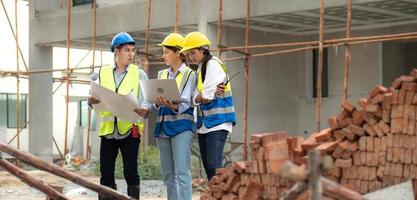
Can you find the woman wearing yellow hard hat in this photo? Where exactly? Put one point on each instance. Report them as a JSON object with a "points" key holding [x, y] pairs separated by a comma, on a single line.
{"points": [[174, 123], [213, 95]]}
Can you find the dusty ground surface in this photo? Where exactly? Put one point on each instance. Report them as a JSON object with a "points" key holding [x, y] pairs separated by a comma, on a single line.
{"points": [[13, 188]]}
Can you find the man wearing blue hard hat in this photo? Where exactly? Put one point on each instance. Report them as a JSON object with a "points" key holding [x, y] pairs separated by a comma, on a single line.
{"points": [[116, 134]]}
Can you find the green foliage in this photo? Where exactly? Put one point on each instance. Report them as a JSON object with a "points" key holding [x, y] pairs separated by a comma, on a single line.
{"points": [[149, 165]]}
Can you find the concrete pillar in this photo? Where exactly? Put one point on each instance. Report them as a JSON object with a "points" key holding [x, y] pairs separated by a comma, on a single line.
{"points": [[40, 94], [202, 21]]}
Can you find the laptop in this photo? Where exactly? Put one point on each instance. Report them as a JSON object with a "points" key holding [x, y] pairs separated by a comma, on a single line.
{"points": [[154, 88]]}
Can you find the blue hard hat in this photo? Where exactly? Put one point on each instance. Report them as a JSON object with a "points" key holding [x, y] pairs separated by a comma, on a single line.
{"points": [[121, 39]]}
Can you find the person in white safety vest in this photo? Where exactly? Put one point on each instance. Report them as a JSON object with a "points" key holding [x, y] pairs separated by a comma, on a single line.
{"points": [[213, 95]]}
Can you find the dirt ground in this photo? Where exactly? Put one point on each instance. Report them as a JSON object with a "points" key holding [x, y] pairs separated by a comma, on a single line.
{"points": [[13, 188]]}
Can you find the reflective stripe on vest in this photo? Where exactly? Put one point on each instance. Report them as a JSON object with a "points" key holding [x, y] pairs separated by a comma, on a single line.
{"points": [[130, 83], [167, 120], [221, 109]]}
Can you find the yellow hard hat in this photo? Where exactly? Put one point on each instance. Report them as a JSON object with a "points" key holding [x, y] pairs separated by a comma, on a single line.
{"points": [[173, 40], [195, 40]]}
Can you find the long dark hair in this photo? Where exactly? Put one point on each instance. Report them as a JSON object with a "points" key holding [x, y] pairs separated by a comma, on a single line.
{"points": [[207, 57]]}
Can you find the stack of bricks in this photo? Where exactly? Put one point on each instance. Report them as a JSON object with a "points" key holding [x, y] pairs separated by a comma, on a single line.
{"points": [[374, 145], [254, 179]]}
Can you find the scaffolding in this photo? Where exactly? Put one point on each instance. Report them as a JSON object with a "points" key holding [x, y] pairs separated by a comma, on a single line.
{"points": [[290, 47]]}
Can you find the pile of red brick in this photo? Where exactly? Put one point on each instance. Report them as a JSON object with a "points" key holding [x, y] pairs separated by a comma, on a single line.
{"points": [[254, 179], [374, 145]]}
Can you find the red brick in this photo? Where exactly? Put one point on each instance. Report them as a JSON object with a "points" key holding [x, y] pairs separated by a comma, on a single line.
{"points": [[274, 166], [378, 130], [345, 122], [242, 192], [402, 155], [396, 125], [372, 173], [349, 134], [338, 152], [271, 138], [390, 154], [346, 172], [332, 121], [326, 147], [358, 117], [408, 156], [343, 115], [377, 90], [409, 97], [415, 129], [309, 143], [396, 84], [377, 144], [362, 143], [364, 187], [394, 97], [401, 96], [240, 166], [372, 159], [386, 102], [386, 115], [406, 78], [324, 135], [357, 130], [363, 157], [409, 112], [382, 157], [380, 171], [411, 127], [406, 171], [404, 128], [414, 156], [399, 169], [372, 108], [228, 186], [356, 158], [397, 111], [362, 102], [384, 143], [396, 155], [409, 86], [384, 127], [348, 106], [278, 151], [389, 140], [371, 119], [377, 99], [369, 144], [414, 102], [368, 128], [244, 179], [343, 163], [339, 134]]}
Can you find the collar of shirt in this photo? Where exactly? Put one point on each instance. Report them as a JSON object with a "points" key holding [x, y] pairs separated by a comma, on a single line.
{"points": [[115, 69], [180, 70]]}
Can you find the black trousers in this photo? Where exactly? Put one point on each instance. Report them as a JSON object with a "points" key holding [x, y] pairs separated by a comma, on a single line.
{"points": [[211, 150], [109, 148]]}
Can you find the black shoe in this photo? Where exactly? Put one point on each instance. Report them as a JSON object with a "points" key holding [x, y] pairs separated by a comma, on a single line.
{"points": [[133, 191], [100, 197]]}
